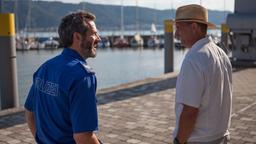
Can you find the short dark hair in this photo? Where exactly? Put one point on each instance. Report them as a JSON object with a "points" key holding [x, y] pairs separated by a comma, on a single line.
{"points": [[73, 22]]}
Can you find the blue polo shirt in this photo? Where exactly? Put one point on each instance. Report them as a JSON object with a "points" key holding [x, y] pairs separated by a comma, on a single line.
{"points": [[63, 99]]}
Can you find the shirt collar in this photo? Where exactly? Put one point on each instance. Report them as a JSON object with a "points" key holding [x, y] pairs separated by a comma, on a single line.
{"points": [[72, 53], [201, 42]]}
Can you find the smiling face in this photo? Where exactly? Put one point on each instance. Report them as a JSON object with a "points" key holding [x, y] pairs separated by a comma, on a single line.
{"points": [[78, 32], [89, 41]]}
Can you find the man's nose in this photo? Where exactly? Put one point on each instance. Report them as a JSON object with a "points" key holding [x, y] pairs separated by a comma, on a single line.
{"points": [[176, 35], [98, 38]]}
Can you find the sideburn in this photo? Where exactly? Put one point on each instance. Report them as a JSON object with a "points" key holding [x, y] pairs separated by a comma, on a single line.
{"points": [[86, 47]]}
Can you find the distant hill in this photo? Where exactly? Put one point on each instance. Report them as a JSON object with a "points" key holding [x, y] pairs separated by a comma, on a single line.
{"points": [[46, 15]]}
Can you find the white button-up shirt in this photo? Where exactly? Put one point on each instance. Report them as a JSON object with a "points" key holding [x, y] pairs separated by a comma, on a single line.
{"points": [[204, 82]]}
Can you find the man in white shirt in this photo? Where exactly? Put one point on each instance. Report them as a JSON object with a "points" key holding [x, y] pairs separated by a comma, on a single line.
{"points": [[204, 85]]}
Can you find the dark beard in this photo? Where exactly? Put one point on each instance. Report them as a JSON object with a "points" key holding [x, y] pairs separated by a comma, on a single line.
{"points": [[87, 49]]}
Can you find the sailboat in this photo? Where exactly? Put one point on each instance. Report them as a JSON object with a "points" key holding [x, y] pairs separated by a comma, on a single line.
{"points": [[137, 40], [153, 41], [23, 40], [121, 42]]}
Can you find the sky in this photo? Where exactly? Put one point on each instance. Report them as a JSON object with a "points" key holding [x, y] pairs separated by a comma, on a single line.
{"points": [[227, 5]]}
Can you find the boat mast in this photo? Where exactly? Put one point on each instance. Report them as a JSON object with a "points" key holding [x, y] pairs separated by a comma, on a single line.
{"points": [[28, 20], [122, 19], [224, 6], [153, 25], [16, 16], [155, 14], [172, 10], [83, 5], [137, 17]]}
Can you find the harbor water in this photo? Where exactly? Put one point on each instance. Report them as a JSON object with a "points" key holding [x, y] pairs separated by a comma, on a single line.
{"points": [[112, 66]]}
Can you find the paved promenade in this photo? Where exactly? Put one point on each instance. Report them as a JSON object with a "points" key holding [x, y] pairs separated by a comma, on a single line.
{"points": [[142, 112]]}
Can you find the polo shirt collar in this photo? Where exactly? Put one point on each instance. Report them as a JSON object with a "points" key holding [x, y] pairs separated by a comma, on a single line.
{"points": [[72, 53]]}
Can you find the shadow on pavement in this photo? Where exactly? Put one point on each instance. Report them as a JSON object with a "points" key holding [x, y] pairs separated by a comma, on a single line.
{"points": [[12, 119], [136, 91]]}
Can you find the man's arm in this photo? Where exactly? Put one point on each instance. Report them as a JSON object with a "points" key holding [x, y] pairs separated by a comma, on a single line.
{"points": [[86, 138], [31, 121], [187, 122]]}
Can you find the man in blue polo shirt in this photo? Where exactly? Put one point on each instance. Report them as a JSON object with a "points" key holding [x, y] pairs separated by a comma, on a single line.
{"points": [[61, 105]]}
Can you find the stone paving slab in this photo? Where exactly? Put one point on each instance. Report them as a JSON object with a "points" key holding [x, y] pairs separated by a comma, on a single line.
{"points": [[142, 112]]}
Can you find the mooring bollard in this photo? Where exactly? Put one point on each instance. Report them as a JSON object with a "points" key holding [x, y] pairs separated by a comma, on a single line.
{"points": [[224, 35], [8, 72], [168, 46]]}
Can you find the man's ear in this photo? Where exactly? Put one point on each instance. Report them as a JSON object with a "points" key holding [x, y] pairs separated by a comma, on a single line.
{"points": [[77, 36]]}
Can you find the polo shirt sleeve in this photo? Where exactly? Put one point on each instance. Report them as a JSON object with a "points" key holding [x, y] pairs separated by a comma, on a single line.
{"points": [[190, 84], [29, 104], [83, 107]]}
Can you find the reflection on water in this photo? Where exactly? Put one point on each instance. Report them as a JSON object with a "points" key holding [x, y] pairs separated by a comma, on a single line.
{"points": [[112, 66]]}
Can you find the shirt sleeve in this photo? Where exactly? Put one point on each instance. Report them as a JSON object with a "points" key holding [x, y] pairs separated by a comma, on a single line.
{"points": [[29, 104], [83, 106], [190, 85]]}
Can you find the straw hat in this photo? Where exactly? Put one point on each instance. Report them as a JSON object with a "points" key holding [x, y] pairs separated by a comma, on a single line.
{"points": [[193, 13]]}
